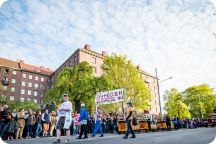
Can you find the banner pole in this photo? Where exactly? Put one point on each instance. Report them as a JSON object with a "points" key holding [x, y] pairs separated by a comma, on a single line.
{"points": [[123, 102]]}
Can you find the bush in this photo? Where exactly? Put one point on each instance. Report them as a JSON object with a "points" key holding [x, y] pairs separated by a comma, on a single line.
{"points": [[26, 105]]}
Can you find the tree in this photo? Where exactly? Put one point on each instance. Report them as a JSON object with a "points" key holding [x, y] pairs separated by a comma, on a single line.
{"points": [[200, 99], [123, 74], [174, 104], [26, 105], [80, 84]]}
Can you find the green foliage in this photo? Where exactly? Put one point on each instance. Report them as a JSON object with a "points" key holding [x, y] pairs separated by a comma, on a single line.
{"points": [[80, 84], [123, 74], [174, 104], [200, 99], [26, 105]]}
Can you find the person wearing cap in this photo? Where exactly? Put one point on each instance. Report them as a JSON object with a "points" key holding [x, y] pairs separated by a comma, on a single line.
{"points": [[129, 117], [83, 121], [64, 118], [98, 123]]}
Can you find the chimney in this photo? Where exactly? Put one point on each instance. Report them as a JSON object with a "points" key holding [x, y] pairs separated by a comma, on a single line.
{"points": [[104, 53], [87, 46], [21, 61]]}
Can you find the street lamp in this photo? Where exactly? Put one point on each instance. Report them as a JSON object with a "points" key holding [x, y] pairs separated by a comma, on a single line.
{"points": [[159, 88]]}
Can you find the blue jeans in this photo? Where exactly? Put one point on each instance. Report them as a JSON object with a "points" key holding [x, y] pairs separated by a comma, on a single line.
{"points": [[97, 126], [129, 129], [38, 129], [29, 130]]}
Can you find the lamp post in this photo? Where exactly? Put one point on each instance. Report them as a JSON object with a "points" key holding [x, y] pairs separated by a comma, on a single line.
{"points": [[159, 88]]}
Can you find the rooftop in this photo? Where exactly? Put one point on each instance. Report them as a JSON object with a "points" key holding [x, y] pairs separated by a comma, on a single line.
{"points": [[23, 66]]}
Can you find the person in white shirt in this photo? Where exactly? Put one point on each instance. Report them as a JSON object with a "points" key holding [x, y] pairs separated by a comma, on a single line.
{"points": [[64, 118]]}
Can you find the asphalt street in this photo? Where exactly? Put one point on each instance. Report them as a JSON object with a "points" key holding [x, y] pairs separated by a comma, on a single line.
{"points": [[184, 136]]}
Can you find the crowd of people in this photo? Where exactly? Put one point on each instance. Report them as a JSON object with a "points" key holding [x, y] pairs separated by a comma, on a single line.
{"points": [[21, 123]]}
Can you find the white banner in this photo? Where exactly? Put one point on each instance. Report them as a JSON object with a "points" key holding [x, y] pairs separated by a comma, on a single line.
{"points": [[109, 97]]}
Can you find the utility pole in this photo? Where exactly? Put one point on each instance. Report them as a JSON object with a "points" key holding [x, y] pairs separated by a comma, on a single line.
{"points": [[158, 90]]}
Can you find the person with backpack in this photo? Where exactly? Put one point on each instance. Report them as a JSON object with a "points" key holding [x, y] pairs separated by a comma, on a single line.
{"points": [[83, 121], [129, 118]]}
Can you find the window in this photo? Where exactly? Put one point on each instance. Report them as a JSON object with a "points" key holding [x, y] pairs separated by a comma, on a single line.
{"points": [[94, 60], [70, 64], [35, 93], [155, 102], [13, 80], [30, 76], [42, 79], [22, 91], [36, 78], [41, 86], [11, 98], [24, 75], [28, 99], [40, 102], [75, 59], [6, 71], [23, 83], [29, 84], [41, 95], [12, 89], [35, 100], [36, 85], [29, 92], [22, 99], [14, 72], [5, 81]]}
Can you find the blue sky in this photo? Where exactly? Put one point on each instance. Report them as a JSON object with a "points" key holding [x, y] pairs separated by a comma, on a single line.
{"points": [[176, 36]]}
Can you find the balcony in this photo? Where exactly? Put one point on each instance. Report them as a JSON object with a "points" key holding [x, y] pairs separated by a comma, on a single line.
{"points": [[5, 81]]}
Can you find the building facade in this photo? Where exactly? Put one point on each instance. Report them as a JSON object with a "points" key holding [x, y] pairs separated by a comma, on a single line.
{"points": [[24, 82], [96, 60], [27, 82]]}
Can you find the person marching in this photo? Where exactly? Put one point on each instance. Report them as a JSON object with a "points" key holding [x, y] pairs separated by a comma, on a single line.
{"points": [[129, 118], [83, 121], [98, 123], [64, 118]]}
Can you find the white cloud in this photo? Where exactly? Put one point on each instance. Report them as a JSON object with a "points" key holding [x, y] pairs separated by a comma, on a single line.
{"points": [[173, 35]]}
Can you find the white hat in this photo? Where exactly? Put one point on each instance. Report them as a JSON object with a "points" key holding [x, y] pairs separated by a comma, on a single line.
{"points": [[65, 95], [82, 105]]}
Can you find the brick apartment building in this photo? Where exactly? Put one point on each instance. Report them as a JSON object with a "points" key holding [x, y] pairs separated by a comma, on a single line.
{"points": [[31, 82], [96, 60], [24, 82]]}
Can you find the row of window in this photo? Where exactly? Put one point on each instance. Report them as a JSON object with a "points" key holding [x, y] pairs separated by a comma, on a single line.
{"points": [[29, 92], [24, 75], [28, 99], [6, 71], [30, 84], [30, 77], [23, 99]]}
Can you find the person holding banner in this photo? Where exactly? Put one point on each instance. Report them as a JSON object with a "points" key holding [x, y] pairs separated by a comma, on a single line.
{"points": [[98, 123], [129, 117]]}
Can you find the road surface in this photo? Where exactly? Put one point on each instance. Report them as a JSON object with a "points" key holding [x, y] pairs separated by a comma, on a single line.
{"points": [[183, 136]]}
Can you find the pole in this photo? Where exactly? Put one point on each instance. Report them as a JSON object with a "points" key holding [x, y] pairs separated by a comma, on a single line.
{"points": [[158, 90], [124, 93]]}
